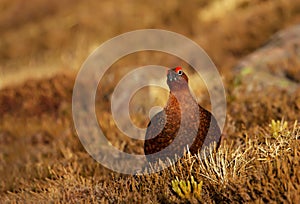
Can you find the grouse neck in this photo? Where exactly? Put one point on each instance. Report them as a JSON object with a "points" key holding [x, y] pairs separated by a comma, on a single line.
{"points": [[181, 100]]}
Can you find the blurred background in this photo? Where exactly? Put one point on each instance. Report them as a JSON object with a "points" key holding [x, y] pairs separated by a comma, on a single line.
{"points": [[41, 37]]}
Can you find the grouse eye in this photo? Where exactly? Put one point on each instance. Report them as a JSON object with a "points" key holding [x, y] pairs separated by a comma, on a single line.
{"points": [[178, 70]]}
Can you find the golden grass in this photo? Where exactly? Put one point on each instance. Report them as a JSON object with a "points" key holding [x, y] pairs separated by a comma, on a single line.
{"points": [[235, 173]]}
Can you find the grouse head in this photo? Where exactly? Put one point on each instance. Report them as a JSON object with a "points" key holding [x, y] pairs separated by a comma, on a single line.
{"points": [[177, 80]]}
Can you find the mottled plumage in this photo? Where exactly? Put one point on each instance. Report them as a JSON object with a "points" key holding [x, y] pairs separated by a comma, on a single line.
{"points": [[182, 113]]}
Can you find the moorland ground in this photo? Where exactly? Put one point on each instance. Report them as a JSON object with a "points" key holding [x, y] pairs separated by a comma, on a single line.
{"points": [[44, 43]]}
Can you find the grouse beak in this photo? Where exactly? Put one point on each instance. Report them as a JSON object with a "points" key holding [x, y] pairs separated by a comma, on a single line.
{"points": [[172, 76]]}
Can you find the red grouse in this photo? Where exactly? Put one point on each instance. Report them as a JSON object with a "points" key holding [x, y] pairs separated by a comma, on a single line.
{"points": [[181, 125]]}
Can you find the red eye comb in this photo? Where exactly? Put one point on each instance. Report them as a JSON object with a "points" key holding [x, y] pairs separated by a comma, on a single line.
{"points": [[177, 69]]}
